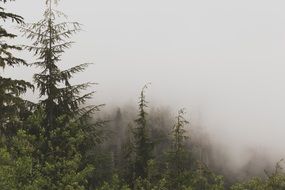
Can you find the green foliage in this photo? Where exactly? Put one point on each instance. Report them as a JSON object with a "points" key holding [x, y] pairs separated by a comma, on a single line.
{"points": [[19, 168], [273, 181], [24, 166], [204, 179], [115, 184], [61, 163], [145, 184], [253, 184]]}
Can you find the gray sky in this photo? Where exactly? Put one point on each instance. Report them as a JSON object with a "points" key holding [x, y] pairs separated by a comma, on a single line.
{"points": [[223, 60]]}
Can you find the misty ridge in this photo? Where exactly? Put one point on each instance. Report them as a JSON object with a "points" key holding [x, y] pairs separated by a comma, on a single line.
{"points": [[250, 161], [56, 135]]}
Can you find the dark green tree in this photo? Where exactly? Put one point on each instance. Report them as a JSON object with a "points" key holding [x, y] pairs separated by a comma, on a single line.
{"points": [[179, 150], [202, 178], [272, 181], [143, 146], [179, 159], [63, 130], [126, 168], [51, 39], [12, 107]]}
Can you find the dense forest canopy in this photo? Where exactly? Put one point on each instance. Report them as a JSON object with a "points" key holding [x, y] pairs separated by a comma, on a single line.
{"points": [[61, 142]]}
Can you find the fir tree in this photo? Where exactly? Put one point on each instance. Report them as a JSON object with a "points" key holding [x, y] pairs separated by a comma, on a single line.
{"points": [[13, 108], [178, 161], [142, 143], [178, 146], [51, 39], [128, 158], [64, 129]]}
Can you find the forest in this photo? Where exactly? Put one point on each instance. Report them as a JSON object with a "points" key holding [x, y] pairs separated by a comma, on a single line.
{"points": [[62, 142]]}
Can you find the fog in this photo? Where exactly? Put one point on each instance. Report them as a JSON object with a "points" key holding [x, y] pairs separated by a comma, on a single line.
{"points": [[222, 60]]}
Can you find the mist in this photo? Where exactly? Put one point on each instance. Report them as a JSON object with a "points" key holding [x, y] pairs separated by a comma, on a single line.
{"points": [[221, 60]]}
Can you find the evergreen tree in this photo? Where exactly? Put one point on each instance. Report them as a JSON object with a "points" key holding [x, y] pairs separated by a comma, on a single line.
{"points": [[203, 178], [142, 144], [272, 181], [117, 136], [13, 109], [64, 128], [115, 184], [178, 147], [51, 39], [179, 157], [126, 169]]}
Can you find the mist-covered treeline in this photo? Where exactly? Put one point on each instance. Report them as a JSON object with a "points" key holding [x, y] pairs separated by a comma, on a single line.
{"points": [[61, 142]]}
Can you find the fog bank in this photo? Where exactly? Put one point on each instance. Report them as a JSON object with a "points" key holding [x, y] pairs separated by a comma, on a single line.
{"points": [[221, 60]]}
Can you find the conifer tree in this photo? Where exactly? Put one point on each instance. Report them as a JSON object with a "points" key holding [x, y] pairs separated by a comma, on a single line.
{"points": [[51, 39], [64, 129], [178, 146], [116, 134], [12, 106], [178, 161], [128, 157], [142, 143]]}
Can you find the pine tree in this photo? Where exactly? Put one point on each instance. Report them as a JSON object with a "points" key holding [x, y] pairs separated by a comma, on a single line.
{"points": [[179, 156], [51, 39], [128, 158], [179, 137], [13, 108], [142, 143], [64, 129]]}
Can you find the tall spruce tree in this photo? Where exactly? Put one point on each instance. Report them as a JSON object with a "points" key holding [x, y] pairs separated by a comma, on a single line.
{"points": [[64, 128], [179, 156], [126, 169], [51, 39], [15, 160], [178, 146], [142, 143], [12, 106]]}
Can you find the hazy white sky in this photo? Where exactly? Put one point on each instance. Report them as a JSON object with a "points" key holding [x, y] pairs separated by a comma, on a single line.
{"points": [[222, 59]]}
